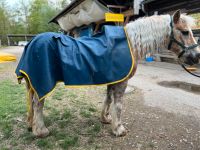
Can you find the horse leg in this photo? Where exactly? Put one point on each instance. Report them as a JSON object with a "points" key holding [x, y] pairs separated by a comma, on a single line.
{"points": [[118, 91], [30, 105], [38, 125], [105, 115]]}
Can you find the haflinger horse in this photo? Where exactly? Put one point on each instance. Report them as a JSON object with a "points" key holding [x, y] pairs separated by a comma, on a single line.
{"points": [[155, 32]]}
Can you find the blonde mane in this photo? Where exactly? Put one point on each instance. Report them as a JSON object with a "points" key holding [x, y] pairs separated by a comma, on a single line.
{"points": [[151, 33]]}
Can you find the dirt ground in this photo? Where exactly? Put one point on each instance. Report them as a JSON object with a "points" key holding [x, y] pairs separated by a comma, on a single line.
{"points": [[153, 121]]}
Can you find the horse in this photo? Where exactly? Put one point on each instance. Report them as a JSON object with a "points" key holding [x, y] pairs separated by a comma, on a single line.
{"points": [[148, 33]]}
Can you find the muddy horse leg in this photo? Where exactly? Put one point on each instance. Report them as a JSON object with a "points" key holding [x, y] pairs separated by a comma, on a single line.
{"points": [[118, 92], [38, 126], [30, 105], [35, 113], [105, 114]]}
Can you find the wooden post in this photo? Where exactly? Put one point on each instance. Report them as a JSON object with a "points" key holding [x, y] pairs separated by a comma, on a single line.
{"points": [[25, 38], [8, 40]]}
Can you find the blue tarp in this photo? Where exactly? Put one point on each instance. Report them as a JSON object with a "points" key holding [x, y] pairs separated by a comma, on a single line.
{"points": [[104, 58]]}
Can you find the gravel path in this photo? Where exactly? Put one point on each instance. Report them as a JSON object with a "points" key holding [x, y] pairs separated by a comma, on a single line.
{"points": [[153, 78], [16, 50]]}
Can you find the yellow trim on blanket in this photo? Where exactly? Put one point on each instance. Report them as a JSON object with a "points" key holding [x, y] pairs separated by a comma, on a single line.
{"points": [[78, 86], [31, 87], [40, 99], [19, 77]]}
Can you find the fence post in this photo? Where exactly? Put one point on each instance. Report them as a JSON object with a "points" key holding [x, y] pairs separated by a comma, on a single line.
{"points": [[8, 40]]}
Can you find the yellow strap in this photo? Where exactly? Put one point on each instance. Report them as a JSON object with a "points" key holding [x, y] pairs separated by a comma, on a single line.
{"points": [[111, 17]]}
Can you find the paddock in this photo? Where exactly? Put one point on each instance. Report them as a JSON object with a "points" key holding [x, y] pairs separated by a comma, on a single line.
{"points": [[161, 113]]}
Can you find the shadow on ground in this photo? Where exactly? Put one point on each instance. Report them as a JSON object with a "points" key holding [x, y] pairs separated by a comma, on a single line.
{"points": [[189, 87]]}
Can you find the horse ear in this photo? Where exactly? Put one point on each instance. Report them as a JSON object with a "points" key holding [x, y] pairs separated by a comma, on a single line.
{"points": [[176, 16]]}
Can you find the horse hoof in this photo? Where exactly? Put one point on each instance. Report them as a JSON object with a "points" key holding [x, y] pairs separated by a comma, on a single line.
{"points": [[120, 131], [41, 133], [106, 119]]}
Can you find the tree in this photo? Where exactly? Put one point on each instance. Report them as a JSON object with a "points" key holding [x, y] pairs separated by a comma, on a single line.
{"points": [[40, 14], [29, 16], [4, 20], [64, 3], [22, 13]]}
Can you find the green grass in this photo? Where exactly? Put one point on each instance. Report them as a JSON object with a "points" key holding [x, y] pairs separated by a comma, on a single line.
{"points": [[66, 115], [4, 148], [55, 116], [94, 127], [92, 109], [12, 100], [27, 137], [6, 129], [67, 125], [44, 144], [58, 94], [69, 142], [12, 105], [85, 113]]}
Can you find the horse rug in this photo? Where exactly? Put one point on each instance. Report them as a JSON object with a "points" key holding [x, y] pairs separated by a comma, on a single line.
{"points": [[102, 59]]}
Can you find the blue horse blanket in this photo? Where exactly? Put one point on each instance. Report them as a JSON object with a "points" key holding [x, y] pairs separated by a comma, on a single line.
{"points": [[104, 58]]}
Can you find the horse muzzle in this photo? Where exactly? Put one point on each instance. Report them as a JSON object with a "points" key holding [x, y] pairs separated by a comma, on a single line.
{"points": [[191, 58]]}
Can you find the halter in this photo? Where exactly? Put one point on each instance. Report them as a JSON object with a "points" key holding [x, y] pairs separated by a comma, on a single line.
{"points": [[173, 40], [182, 45]]}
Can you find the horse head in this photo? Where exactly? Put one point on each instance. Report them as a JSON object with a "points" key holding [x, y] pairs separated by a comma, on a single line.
{"points": [[182, 41]]}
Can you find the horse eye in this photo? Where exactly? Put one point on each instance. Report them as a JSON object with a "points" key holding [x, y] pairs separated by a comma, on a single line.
{"points": [[185, 33]]}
